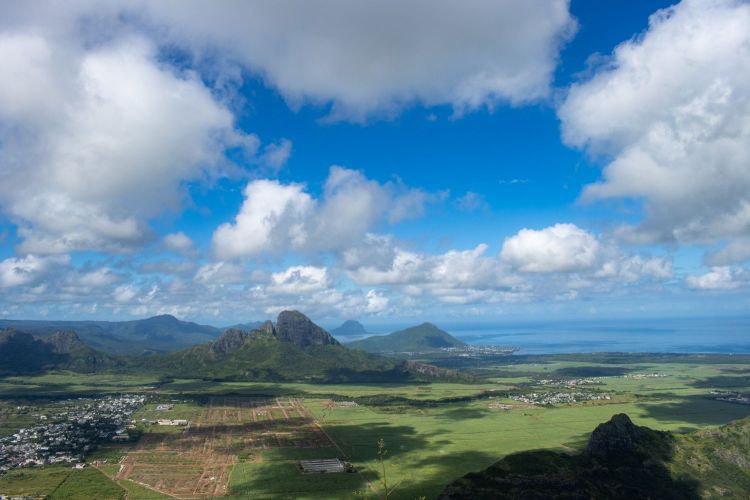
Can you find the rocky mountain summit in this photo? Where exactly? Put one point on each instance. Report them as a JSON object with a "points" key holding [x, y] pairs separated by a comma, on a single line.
{"points": [[291, 326], [621, 461], [64, 342], [295, 327], [616, 438]]}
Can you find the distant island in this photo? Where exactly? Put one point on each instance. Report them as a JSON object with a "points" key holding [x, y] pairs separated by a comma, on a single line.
{"points": [[424, 339], [350, 328]]}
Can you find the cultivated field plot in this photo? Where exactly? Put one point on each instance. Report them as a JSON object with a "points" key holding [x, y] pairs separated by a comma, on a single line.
{"points": [[197, 461]]}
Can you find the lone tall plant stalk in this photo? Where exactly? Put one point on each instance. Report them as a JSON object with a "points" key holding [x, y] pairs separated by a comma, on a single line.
{"points": [[382, 452]]}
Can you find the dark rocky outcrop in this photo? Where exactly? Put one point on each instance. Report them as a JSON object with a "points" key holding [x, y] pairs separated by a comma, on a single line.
{"points": [[621, 461], [64, 342], [267, 328], [617, 437], [298, 329], [23, 353], [230, 341]]}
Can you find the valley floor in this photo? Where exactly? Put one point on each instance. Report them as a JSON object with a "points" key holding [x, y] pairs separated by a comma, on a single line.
{"points": [[245, 440]]}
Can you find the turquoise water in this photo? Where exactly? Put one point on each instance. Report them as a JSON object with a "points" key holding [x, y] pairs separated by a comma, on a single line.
{"points": [[717, 335]]}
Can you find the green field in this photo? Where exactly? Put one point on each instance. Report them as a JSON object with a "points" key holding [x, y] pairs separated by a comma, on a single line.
{"points": [[434, 433]]}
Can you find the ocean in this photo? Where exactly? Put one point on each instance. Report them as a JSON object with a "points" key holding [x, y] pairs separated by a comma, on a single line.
{"points": [[710, 335]]}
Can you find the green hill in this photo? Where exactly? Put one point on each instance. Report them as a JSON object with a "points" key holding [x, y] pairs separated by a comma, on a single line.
{"points": [[349, 328], [423, 338], [294, 348], [23, 354], [157, 334], [623, 461]]}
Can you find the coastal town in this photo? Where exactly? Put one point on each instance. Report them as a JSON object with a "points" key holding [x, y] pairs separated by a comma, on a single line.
{"points": [[73, 429]]}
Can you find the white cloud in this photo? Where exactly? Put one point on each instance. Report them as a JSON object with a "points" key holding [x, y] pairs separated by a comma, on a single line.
{"points": [[456, 277], [735, 251], [299, 280], [672, 108], [16, 271], [718, 278], [374, 58], [275, 155], [124, 294], [364, 58], [220, 273], [471, 202], [376, 302], [96, 142], [559, 248], [272, 216], [178, 242], [98, 278], [276, 216], [632, 268]]}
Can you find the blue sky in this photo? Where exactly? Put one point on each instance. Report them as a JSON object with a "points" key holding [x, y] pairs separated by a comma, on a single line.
{"points": [[485, 161]]}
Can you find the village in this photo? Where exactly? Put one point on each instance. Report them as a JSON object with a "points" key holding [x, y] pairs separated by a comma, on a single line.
{"points": [[731, 397], [556, 398], [70, 432], [571, 382], [468, 351]]}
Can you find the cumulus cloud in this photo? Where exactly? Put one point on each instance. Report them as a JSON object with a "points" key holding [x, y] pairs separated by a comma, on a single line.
{"points": [[272, 216], [456, 276], [559, 248], [672, 109], [98, 278], [178, 242], [735, 251], [275, 155], [16, 271], [374, 58], [718, 278], [220, 273], [276, 216], [95, 142], [299, 280], [363, 58]]}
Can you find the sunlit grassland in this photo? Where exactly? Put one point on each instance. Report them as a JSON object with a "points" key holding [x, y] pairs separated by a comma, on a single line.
{"points": [[434, 432], [60, 482]]}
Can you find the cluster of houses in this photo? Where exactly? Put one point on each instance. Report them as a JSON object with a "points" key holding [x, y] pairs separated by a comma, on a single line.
{"points": [[641, 376], [68, 434], [558, 398], [478, 351], [574, 382], [731, 397]]}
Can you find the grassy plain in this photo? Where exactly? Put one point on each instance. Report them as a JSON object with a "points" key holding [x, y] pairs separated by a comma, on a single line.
{"points": [[434, 433]]}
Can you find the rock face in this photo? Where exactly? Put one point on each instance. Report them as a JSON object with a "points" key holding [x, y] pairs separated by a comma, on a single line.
{"points": [[64, 342], [622, 461], [268, 328], [295, 327], [617, 437], [230, 341]]}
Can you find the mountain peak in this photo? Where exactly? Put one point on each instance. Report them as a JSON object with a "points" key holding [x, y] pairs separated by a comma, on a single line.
{"points": [[231, 340], [421, 338], [295, 327], [64, 342], [618, 436], [349, 327], [163, 317]]}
